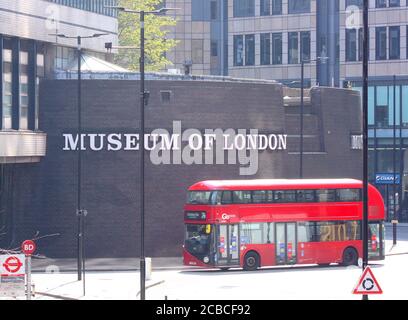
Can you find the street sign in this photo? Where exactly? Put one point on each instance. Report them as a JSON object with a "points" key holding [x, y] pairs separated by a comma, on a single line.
{"points": [[12, 286], [12, 275], [387, 178], [367, 283], [28, 247], [12, 265]]}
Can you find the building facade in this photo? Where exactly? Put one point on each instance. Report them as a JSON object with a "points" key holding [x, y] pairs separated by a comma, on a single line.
{"points": [[268, 39], [29, 52], [110, 174]]}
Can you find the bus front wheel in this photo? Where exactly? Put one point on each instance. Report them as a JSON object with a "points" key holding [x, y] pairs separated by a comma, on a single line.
{"points": [[251, 261], [350, 257]]}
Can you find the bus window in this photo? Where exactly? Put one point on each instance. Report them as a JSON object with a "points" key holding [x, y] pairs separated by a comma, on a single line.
{"points": [[305, 196], [306, 231], [325, 195], [259, 196], [197, 240], [199, 197], [373, 239], [256, 233], [241, 197], [348, 194], [226, 197], [216, 197], [353, 230], [285, 196]]}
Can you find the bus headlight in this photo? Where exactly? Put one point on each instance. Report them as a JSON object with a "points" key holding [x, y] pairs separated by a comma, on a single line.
{"points": [[206, 259]]}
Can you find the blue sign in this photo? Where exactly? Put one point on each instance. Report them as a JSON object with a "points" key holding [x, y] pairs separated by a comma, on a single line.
{"points": [[387, 178]]}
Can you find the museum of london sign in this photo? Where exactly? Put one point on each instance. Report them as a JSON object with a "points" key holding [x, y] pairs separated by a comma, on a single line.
{"points": [[190, 146]]}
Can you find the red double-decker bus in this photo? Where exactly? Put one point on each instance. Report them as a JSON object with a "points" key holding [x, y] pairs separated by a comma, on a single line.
{"points": [[257, 223]]}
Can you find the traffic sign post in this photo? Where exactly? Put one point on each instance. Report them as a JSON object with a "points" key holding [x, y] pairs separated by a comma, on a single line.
{"points": [[28, 247], [367, 284]]}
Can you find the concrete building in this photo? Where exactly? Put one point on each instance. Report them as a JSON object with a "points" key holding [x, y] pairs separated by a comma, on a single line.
{"points": [[29, 53]]}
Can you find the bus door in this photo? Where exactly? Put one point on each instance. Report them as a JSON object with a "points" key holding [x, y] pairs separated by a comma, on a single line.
{"points": [[286, 242], [227, 244]]}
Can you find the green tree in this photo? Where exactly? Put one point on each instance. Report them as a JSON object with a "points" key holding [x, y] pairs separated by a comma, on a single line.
{"points": [[156, 30]]}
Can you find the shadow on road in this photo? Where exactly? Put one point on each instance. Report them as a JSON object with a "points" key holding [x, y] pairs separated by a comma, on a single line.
{"points": [[267, 270]]}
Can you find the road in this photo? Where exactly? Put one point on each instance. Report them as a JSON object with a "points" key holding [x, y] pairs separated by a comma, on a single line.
{"points": [[277, 283], [402, 232]]}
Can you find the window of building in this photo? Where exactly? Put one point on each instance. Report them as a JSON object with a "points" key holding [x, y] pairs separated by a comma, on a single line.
{"points": [[381, 43], [63, 55], [293, 48], [380, 3], [244, 8], [305, 46], [298, 6], [197, 49], [394, 45], [249, 49], [381, 108], [23, 121], [351, 44], [394, 3], [214, 48], [238, 50], [276, 48], [7, 89], [391, 105], [97, 6], [276, 7], [358, 3], [200, 10], [265, 7], [265, 48], [361, 44], [213, 10]]}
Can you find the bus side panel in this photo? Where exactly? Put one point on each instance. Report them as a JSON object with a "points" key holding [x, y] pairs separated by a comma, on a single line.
{"points": [[307, 252], [265, 251], [326, 252], [190, 260]]}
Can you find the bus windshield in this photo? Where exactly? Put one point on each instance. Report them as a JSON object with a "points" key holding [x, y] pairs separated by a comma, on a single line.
{"points": [[197, 241], [199, 197]]}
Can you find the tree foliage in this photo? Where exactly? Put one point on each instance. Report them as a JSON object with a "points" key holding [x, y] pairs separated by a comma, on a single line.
{"points": [[156, 30]]}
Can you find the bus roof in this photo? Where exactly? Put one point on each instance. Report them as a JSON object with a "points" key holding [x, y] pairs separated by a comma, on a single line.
{"points": [[275, 183]]}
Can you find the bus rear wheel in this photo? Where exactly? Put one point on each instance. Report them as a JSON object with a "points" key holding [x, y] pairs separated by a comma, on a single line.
{"points": [[350, 257], [251, 261]]}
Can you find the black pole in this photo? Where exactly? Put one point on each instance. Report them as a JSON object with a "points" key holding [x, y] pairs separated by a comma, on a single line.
{"points": [[79, 204], [142, 130], [301, 119], [83, 215], [394, 196], [365, 140]]}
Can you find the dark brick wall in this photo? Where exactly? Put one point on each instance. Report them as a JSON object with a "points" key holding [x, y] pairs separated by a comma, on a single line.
{"points": [[110, 179]]}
